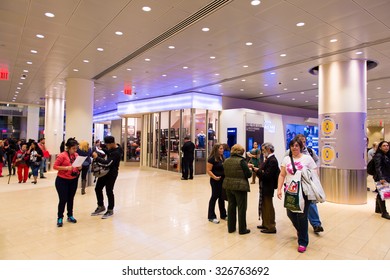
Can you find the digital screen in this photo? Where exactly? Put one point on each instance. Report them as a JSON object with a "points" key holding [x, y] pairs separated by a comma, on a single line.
{"points": [[310, 131]]}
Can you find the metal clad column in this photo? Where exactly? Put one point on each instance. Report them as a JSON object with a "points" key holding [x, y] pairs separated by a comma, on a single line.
{"points": [[342, 117], [79, 109]]}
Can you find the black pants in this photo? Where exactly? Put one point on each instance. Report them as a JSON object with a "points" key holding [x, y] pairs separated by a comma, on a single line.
{"points": [[187, 167], [108, 182], [237, 200], [216, 194], [66, 189], [84, 172]]}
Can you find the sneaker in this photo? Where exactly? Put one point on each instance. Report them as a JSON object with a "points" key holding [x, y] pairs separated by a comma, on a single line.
{"points": [[59, 222], [71, 219], [99, 210], [318, 229], [301, 249], [108, 214], [215, 221]]}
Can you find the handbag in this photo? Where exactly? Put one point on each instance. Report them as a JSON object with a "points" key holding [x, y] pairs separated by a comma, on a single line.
{"points": [[383, 190], [293, 196]]}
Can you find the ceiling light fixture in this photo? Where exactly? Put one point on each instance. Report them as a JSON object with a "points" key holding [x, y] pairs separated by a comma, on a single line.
{"points": [[50, 15], [359, 52], [147, 59], [128, 69], [100, 49], [146, 9], [255, 2], [25, 71], [212, 57], [86, 61], [249, 43], [300, 24], [245, 66], [76, 70], [119, 33], [29, 62], [171, 47], [40, 36], [185, 67], [283, 55], [205, 29], [333, 40]]}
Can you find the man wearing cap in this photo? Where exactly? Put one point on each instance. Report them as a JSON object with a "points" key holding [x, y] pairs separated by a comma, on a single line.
{"points": [[114, 154]]}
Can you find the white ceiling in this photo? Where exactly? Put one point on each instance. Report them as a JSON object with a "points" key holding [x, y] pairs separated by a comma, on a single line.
{"points": [[81, 26]]}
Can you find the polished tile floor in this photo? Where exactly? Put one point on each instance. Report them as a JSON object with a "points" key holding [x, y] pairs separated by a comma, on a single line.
{"points": [[158, 216]]}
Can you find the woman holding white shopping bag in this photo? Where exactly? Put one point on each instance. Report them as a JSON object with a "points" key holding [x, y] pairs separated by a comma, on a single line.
{"points": [[289, 181]]}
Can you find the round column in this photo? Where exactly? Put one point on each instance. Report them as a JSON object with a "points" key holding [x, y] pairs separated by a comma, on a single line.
{"points": [[342, 112], [79, 109], [54, 126]]}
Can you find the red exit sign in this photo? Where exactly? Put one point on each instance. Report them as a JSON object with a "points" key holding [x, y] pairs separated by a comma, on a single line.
{"points": [[4, 73]]}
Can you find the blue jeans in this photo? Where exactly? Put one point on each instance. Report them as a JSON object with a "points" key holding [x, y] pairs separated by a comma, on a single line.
{"points": [[42, 166], [301, 224], [314, 217]]}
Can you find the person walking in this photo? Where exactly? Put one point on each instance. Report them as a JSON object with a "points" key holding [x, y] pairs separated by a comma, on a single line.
{"points": [[36, 156], [296, 161], [114, 153], [66, 180], [237, 171], [20, 160], [382, 175], [188, 150], [268, 174], [85, 151], [46, 155], [214, 169]]}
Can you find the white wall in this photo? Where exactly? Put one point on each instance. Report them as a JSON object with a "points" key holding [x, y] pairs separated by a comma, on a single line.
{"points": [[274, 127]]}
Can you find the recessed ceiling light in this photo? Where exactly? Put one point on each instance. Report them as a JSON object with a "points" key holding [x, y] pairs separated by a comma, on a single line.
{"points": [[378, 88], [245, 66], [243, 80], [205, 29], [261, 93], [100, 49], [241, 89], [266, 85], [185, 67], [20, 83], [147, 59], [379, 101], [295, 79], [114, 77], [194, 81], [76, 70], [25, 71], [23, 78], [171, 47], [128, 69], [333, 40], [112, 94], [293, 99], [249, 43], [272, 73], [255, 2], [278, 96], [51, 15], [146, 9], [176, 86], [164, 75], [119, 33], [283, 55], [359, 52], [18, 88], [212, 57], [302, 92], [285, 89], [314, 84], [300, 24], [307, 101], [29, 62], [86, 61], [216, 74], [40, 36]]}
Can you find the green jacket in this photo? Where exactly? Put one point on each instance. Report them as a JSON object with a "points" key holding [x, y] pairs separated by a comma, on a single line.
{"points": [[237, 173]]}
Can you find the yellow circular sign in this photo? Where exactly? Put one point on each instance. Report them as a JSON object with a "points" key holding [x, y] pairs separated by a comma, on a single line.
{"points": [[328, 126], [328, 154]]}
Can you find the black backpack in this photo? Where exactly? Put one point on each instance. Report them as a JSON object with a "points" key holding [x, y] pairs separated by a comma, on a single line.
{"points": [[371, 167]]}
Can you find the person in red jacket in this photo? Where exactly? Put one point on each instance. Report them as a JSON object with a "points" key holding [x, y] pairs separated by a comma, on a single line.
{"points": [[66, 181], [20, 160]]}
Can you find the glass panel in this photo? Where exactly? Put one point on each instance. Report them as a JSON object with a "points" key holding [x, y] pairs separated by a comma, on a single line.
{"points": [[156, 138], [133, 139], [200, 141], [174, 142], [164, 131]]}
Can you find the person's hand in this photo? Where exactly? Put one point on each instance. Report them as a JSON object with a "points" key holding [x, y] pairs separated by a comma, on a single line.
{"points": [[383, 182], [279, 193], [255, 169], [250, 165], [94, 155], [217, 178]]}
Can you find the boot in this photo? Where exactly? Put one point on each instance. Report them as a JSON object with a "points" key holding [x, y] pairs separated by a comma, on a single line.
{"points": [[377, 207], [382, 206], [83, 185]]}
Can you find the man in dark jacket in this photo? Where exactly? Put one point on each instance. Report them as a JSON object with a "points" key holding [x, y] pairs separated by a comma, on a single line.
{"points": [[114, 153], [188, 159], [268, 175]]}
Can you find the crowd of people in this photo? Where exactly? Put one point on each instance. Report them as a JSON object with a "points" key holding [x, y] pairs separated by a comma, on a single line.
{"points": [[229, 170]]}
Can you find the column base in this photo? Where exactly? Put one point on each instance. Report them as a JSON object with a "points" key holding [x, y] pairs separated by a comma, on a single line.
{"points": [[344, 186]]}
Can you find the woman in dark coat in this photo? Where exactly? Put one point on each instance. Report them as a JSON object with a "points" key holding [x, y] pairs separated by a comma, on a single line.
{"points": [[382, 175]]}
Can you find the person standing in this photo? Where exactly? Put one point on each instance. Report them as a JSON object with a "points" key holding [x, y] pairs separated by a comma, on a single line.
{"points": [[46, 155], [214, 169], [85, 151], [268, 175], [10, 150], [188, 150], [254, 155], [20, 160], [237, 172], [296, 161], [114, 154], [66, 181], [382, 175], [36, 156], [2, 159]]}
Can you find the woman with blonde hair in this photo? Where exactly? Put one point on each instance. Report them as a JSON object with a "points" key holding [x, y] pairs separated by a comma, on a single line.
{"points": [[237, 171], [85, 151]]}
